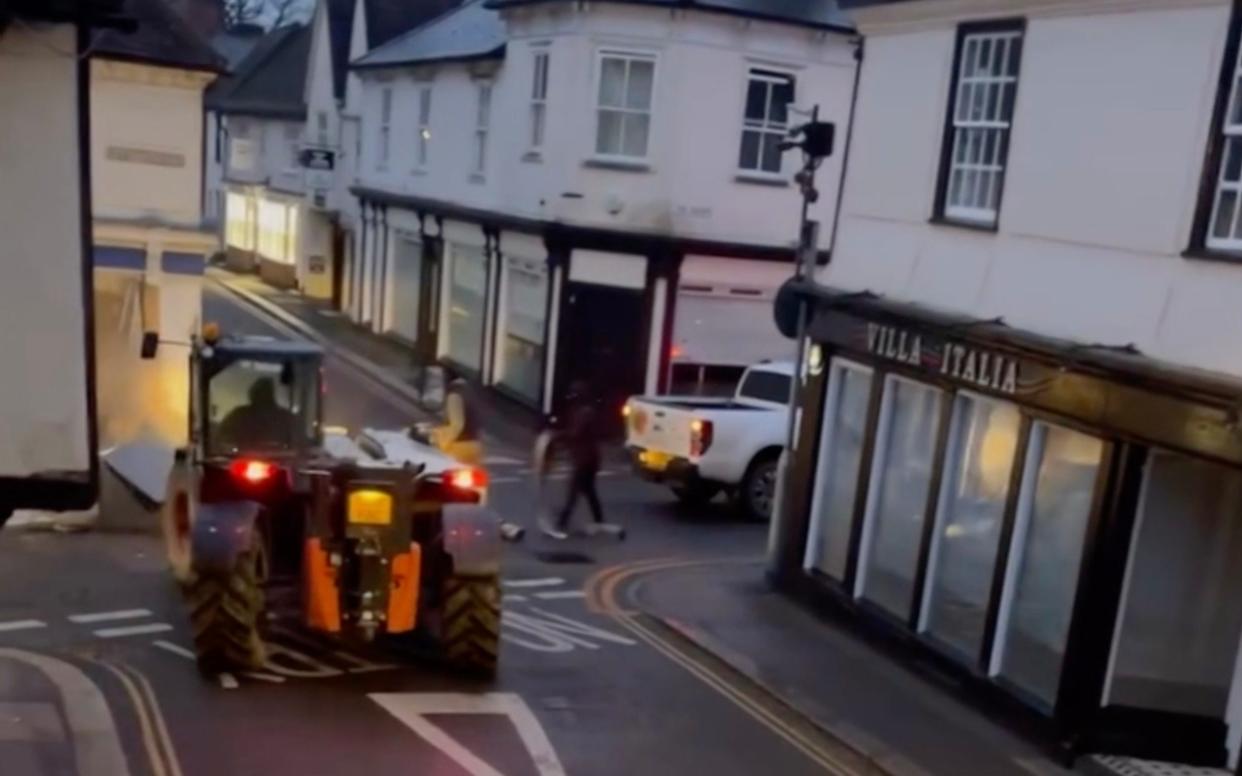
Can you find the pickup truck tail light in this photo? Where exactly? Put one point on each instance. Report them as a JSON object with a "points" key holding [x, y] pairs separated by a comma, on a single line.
{"points": [[700, 436]]}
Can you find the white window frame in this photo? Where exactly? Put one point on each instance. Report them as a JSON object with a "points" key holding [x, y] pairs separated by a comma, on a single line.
{"points": [[482, 125], [422, 150], [385, 128], [770, 76], [994, 125], [539, 97], [628, 56], [1231, 132], [292, 134]]}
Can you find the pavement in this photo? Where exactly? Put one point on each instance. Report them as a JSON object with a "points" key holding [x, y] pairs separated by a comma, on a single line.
{"points": [[663, 654]]}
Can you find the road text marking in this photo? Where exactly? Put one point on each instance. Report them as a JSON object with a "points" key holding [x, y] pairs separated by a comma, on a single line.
{"points": [[16, 625], [524, 583], [125, 614], [553, 595], [133, 630]]}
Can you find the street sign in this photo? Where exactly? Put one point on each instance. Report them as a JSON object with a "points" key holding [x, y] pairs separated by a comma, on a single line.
{"points": [[320, 166]]}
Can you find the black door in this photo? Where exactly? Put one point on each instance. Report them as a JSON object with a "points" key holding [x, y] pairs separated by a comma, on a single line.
{"points": [[338, 266], [602, 345]]}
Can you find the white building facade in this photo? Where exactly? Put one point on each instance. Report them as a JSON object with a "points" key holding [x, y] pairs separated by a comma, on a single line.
{"points": [[1020, 446], [554, 193]]}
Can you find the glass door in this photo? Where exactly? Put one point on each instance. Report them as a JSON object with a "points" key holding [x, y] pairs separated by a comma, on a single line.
{"points": [[1045, 555], [978, 468]]}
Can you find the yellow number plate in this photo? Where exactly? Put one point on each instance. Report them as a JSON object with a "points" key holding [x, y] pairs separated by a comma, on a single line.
{"points": [[654, 461], [369, 507]]}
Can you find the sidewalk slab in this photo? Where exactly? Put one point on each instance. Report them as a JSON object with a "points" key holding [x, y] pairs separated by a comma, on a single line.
{"points": [[901, 719]]}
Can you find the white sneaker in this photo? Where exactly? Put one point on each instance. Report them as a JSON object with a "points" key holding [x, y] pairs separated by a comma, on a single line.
{"points": [[551, 531]]}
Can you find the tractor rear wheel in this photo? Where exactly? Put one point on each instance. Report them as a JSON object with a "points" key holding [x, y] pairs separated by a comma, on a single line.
{"points": [[470, 625], [224, 614], [176, 519]]}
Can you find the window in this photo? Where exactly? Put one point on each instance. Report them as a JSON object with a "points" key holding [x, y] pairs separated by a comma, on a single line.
{"points": [[321, 120], [481, 123], [467, 292], [982, 446], [1045, 553], [763, 386], [292, 134], [1179, 624], [765, 121], [424, 124], [626, 86], [1224, 229], [840, 459], [901, 474], [980, 116], [539, 100], [525, 305], [385, 132]]}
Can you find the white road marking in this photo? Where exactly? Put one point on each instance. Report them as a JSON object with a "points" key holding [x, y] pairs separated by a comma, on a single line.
{"points": [[16, 625], [228, 681], [361, 666], [124, 614], [312, 668], [553, 595], [96, 744], [502, 460], [513, 597], [412, 708], [524, 583], [262, 677], [505, 480], [132, 630], [176, 649]]}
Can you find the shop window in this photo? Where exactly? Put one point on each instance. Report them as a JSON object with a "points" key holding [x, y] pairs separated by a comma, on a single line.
{"points": [[840, 456], [526, 299], [1054, 506], [900, 477], [983, 441], [1180, 620], [467, 293]]}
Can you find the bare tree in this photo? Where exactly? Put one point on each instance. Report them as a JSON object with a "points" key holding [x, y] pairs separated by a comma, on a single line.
{"points": [[238, 12], [287, 12]]}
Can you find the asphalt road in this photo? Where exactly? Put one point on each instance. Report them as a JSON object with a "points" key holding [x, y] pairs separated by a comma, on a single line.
{"points": [[96, 678]]}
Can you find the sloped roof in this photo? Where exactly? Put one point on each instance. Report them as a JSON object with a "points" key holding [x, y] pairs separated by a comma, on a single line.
{"points": [[386, 19], [96, 13], [236, 44], [271, 81], [819, 14], [472, 31], [161, 38], [340, 33]]}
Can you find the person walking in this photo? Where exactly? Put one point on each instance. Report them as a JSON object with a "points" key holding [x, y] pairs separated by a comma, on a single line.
{"points": [[581, 438]]}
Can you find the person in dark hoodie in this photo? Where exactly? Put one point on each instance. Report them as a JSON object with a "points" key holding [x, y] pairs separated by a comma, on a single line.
{"points": [[581, 439]]}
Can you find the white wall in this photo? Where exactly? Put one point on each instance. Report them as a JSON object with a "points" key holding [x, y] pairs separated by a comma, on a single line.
{"points": [[147, 141], [1107, 152], [43, 386], [690, 189]]}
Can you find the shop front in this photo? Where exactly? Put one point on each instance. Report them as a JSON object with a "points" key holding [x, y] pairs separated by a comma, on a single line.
{"points": [[1059, 526]]}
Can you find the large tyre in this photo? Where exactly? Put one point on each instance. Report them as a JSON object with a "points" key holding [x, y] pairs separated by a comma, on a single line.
{"points": [[756, 496], [470, 629], [224, 614], [176, 518], [696, 494]]}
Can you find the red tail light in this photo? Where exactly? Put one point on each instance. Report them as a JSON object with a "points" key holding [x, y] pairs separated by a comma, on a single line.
{"points": [[252, 471], [466, 479], [701, 432]]}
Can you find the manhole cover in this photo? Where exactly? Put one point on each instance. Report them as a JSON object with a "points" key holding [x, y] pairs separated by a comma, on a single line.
{"points": [[563, 556]]}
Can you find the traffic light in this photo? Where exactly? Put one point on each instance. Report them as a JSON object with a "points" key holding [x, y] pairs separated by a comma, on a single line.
{"points": [[815, 138]]}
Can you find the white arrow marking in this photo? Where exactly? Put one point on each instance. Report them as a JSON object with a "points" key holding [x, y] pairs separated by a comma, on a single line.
{"points": [[411, 708], [16, 625]]}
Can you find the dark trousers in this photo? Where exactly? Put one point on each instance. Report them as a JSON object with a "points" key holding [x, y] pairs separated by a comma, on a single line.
{"points": [[581, 483]]}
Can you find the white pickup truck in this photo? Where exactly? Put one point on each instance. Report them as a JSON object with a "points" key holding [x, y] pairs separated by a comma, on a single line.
{"points": [[701, 446]]}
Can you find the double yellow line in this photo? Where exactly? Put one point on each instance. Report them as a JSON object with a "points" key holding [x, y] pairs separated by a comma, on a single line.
{"points": [[155, 737], [602, 590]]}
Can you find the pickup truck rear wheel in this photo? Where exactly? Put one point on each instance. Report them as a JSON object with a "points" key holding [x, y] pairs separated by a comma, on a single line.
{"points": [[757, 494], [695, 494]]}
